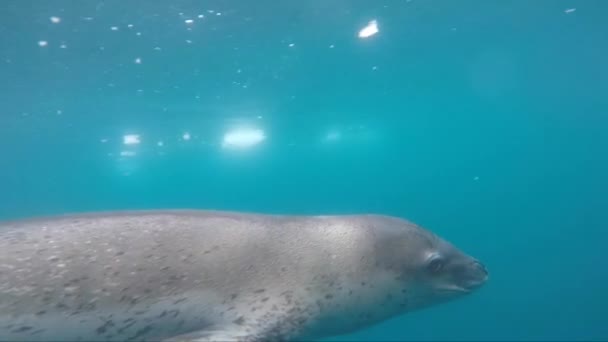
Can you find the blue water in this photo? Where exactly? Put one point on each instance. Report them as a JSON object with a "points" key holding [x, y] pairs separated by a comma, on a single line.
{"points": [[484, 121]]}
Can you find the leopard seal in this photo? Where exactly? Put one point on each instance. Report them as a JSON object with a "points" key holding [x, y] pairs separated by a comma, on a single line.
{"points": [[197, 275]]}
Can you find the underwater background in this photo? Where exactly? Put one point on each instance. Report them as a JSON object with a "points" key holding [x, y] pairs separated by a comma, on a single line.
{"points": [[482, 120]]}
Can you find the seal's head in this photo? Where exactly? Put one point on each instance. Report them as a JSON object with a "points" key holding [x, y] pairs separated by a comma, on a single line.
{"points": [[428, 268]]}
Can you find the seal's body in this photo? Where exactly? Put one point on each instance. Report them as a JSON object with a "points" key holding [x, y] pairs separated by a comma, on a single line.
{"points": [[208, 275]]}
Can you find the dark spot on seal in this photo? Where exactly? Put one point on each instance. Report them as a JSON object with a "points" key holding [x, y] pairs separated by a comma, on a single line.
{"points": [[328, 296], [389, 297], [40, 313], [363, 283], [350, 292], [206, 252], [140, 312], [102, 329], [233, 296], [61, 306], [265, 299], [126, 326], [73, 281], [22, 329], [239, 321], [175, 313], [166, 268], [119, 253], [116, 273], [37, 331], [259, 291], [162, 314], [179, 301], [141, 332]]}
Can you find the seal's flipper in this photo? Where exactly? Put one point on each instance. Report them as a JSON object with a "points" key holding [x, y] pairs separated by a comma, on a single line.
{"points": [[219, 334]]}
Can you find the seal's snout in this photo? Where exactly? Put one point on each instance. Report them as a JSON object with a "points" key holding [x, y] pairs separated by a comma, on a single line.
{"points": [[478, 275], [482, 269]]}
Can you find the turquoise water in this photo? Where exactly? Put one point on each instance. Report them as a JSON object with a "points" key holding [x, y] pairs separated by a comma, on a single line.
{"points": [[484, 121]]}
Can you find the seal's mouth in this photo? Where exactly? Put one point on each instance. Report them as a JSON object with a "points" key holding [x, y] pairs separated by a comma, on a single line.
{"points": [[466, 281], [476, 277]]}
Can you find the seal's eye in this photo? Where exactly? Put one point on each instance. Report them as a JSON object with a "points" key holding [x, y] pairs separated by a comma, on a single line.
{"points": [[436, 264]]}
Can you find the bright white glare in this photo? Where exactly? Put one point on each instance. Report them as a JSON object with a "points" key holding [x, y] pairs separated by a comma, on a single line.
{"points": [[186, 136], [131, 139], [55, 20], [43, 43], [369, 30], [243, 138]]}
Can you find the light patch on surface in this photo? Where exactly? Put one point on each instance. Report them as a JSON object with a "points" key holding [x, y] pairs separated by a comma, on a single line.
{"points": [[63, 46], [189, 21], [127, 153], [55, 20], [476, 178], [160, 144], [114, 28], [131, 139], [333, 136], [292, 44], [201, 16], [369, 30], [43, 43], [137, 60], [243, 138], [103, 141], [186, 136], [569, 10]]}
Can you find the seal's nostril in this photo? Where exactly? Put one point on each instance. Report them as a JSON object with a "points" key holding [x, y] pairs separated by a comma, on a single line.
{"points": [[481, 267]]}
